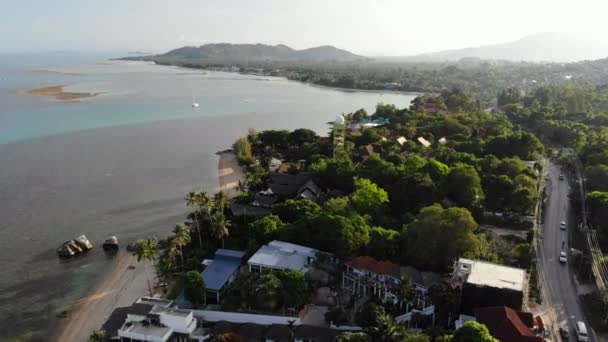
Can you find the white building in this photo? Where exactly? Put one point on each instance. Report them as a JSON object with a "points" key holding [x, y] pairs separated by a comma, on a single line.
{"points": [[278, 256], [159, 324]]}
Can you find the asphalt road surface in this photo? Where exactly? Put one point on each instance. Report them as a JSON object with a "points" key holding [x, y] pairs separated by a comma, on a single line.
{"points": [[560, 292]]}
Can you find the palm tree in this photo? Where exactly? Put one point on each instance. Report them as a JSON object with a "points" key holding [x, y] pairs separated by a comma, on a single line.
{"points": [[220, 201], [181, 237], [192, 201], [221, 226], [204, 203], [407, 292], [146, 250], [385, 329]]}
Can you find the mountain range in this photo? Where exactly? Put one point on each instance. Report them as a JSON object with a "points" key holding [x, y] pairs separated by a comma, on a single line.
{"points": [[542, 47], [224, 52]]}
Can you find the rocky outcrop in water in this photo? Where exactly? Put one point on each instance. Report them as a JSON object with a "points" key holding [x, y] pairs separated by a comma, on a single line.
{"points": [[111, 244], [74, 247]]}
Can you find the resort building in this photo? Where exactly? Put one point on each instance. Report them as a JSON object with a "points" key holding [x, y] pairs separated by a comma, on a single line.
{"points": [[278, 256], [221, 271], [485, 284], [365, 276]]}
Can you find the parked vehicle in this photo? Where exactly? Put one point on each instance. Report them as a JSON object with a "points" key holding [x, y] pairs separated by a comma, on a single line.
{"points": [[581, 332], [563, 258], [562, 225]]}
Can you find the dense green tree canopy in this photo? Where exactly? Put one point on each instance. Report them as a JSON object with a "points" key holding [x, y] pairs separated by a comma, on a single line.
{"points": [[194, 288], [438, 236], [473, 331]]}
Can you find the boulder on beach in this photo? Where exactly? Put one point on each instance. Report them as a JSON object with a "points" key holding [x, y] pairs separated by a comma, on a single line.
{"points": [[83, 242], [111, 243]]}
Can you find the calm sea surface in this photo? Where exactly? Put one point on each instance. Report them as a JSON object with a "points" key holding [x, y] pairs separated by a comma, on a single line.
{"points": [[119, 163]]}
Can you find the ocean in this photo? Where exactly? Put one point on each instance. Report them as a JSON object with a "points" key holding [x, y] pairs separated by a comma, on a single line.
{"points": [[120, 163]]}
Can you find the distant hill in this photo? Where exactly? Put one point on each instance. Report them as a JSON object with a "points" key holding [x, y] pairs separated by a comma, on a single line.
{"points": [[253, 53], [549, 47]]}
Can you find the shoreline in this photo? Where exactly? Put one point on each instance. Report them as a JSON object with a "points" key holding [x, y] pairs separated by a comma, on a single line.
{"points": [[120, 286], [57, 92], [350, 90], [229, 172]]}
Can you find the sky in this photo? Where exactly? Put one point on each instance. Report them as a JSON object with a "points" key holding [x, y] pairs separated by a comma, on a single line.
{"points": [[367, 27]]}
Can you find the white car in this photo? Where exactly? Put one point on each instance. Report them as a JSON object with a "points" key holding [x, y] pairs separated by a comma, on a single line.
{"points": [[562, 257], [562, 225]]}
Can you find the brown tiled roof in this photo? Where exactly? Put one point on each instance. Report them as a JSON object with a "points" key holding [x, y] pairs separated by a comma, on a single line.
{"points": [[371, 264], [508, 325]]}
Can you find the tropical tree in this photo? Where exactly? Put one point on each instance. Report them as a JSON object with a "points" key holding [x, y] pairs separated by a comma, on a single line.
{"points": [[407, 291], [385, 329], [194, 288], [204, 203], [98, 335], [221, 201], [473, 331], [352, 337], [181, 238], [220, 226], [146, 250], [192, 202]]}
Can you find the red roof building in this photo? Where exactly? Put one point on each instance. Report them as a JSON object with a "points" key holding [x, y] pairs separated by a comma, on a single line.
{"points": [[370, 264], [508, 325]]}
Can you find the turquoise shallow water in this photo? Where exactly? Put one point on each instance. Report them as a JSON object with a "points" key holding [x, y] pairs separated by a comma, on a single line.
{"points": [[119, 163]]}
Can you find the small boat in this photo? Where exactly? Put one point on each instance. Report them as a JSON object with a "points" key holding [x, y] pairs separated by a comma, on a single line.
{"points": [[194, 103]]}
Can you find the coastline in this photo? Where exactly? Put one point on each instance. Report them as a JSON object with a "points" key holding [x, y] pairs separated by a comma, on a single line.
{"points": [[59, 94], [229, 172], [348, 90], [119, 287]]}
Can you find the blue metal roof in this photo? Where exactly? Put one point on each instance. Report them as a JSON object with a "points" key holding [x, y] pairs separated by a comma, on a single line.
{"points": [[224, 265]]}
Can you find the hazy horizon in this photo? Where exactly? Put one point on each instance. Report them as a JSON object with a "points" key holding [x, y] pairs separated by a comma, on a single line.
{"points": [[366, 27]]}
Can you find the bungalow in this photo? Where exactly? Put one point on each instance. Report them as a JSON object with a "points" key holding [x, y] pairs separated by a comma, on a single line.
{"points": [[429, 108], [443, 141], [278, 256], [424, 142], [401, 140], [220, 272], [310, 190], [287, 185]]}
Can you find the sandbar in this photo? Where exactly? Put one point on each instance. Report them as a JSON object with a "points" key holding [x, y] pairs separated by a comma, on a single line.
{"points": [[59, 94]]}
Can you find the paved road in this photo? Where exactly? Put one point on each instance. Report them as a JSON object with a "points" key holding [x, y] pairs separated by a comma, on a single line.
{"points": [[560, 291]]}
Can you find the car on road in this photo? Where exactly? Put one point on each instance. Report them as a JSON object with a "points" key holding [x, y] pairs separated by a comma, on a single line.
{"points": [[564, 333], [561, 177], [562, 257], [562, 225], [581, 331]]}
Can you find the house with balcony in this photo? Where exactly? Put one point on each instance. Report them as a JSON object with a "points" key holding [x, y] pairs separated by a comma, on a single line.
{"points": [[366, 276]]}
